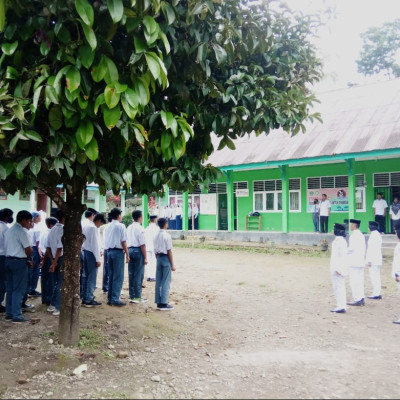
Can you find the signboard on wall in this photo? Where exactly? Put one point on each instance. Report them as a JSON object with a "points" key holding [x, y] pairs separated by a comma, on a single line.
{"points": [[208, 204], [338, 198], [242, 192]]}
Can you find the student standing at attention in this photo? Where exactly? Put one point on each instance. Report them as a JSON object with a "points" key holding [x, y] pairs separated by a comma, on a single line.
{"points": [[137, 257], [356, 263], [115, 243], [380, 206], [6, 217], [373, 260], [165, 264], [338, 267], [150, 233], [18, 252], [324, 213]]}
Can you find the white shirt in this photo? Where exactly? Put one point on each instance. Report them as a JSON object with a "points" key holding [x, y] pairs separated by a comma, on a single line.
{"points": [[173, 213], [92, 240], [396, 261], [190, 212], [357, 249], [54, 239], [3, 229], [195, 210], [34, 234], [374, 249], [179, 210], [115, 235], [135, 235], [315, 208], [151, 232], [162, 242], [324, 207], [43, 240], [379, 206], [338, 260], [395, 217], [85, 222], [16, 241], [104, 237]]}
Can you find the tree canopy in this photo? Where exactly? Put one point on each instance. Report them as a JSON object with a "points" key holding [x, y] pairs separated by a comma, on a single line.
{"points": [[126, 94], [381, 50]]}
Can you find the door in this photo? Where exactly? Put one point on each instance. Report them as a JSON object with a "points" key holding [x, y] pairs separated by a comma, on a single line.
{"points": [[395, 192], [41, 201], [222, 211], [386, 195]]}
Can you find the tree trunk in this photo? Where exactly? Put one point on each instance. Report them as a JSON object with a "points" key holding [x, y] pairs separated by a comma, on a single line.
{"points": [[70, 291]]}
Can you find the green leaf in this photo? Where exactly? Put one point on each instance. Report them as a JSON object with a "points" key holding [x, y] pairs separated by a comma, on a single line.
{"points": [[58, 164], [111, 96], [130, 111], [142, 90], [51, 94], [3, 173], [151, 29], [86, 56], [230, 143], [118, 178], [197, 9], [62, 33], [84, 134], [90, 35], [59, 75], [168, 12], [152, 62], [164, 38], [92, 150], [166, 139], [132, 98], [19, 112], [99, 101], [140, 44], [12, 73], [167, 118], [22, 165], [99, 72], [111, 116], [127, 177], [32, 135], [105, 175], [85, 11], [220, 53], [9, 48], [111, 71], [116, 9], [13, 142], [35, 165], [73, 79], [2, 15], [56, 118]]}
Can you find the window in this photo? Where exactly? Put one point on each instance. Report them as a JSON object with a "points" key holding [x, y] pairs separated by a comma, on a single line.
{"points": [[295, 194], [217, 188], [385, 179], [360, 199], [90, 196], [268, 195]]}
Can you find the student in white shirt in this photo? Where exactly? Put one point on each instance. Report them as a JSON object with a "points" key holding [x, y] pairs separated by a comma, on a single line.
{"points": [[106, 268], [394, 213], [179, 217], [165, 264], [115, 243], [356, 253], [34, 272], [91, 259], [338, 267], [18, 250], [172, 217], [373, 260], [195, 212], [6, 217], [396, 262], [46, 279], [324, 213], [137, 256], [55, 249], [380, 206], [315, 215], [150, 233]]}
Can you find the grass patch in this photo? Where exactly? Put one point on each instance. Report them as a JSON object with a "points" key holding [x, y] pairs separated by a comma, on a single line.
{"points": [[241, 283], [62, 361], [90, 339]]}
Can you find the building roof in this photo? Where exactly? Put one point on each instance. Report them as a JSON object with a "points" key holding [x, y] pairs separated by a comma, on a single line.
{"points": [[355, 120]]}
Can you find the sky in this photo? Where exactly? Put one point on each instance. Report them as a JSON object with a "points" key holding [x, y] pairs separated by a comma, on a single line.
{"points": [[339, 41]]}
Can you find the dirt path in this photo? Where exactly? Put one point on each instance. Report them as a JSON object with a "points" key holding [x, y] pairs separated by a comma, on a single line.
{"points": [[245, 325]]}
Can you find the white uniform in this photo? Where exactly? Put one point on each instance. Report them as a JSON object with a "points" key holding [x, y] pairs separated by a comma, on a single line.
{"points": [[150, 233], [3, 229], [339, 270], [373, 259], [16, 240], [356, 253], [54, 239], [43, 240], [92, 240]]}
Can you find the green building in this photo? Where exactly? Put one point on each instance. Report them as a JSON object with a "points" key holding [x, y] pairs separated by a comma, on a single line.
{"points": [[351, 156]]}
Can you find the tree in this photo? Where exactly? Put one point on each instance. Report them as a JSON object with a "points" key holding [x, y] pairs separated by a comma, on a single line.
{"points": [[125, 93], [381, 50]]}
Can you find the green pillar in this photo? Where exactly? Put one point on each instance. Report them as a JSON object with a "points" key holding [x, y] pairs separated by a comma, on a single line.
{"points": [[285, 198], [352, 188], [230, 200], [185, 204], [145, 210]]}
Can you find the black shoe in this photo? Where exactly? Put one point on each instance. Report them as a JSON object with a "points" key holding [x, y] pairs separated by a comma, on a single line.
{"points": [[342, 311], [357, 303], [2, 309], [8, 318], [397, 322], [148, 279], [28, 307], [375, 297], [91, 304], [165, 307], [34, 293], [105, 291], [118, 304], [20, 320], [151, 279]]}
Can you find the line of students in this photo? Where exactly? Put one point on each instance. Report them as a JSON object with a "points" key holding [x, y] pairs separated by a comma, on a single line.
{"points": [[351, 260]]}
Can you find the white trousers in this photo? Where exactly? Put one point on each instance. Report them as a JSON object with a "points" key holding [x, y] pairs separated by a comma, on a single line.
{"points": [[356, 275], [375, 275], [151, 265], [339, 290]]}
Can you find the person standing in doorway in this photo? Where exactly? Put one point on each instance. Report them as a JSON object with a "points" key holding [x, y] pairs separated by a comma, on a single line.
{"points": [[324, 213], [394, 213], [165, 264], [136, 240], [356, 263], [150, 233], [6, 217], [338, 267], [115, 242], [380, 206], [315, 215], [373, 260]]}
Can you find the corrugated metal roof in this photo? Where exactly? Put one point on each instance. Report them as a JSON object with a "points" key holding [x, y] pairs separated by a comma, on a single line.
{"points": [[355, 120]]}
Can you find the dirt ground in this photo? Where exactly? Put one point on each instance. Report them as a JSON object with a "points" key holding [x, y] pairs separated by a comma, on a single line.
{"points": [[245, 325]]}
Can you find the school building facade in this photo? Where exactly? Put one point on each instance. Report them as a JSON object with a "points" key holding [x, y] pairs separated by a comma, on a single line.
{"points": [[351, 156]]}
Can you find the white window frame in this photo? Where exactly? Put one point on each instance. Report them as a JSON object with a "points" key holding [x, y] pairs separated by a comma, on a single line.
{"points": [[364, 208], [264, 199], [299, 194]]}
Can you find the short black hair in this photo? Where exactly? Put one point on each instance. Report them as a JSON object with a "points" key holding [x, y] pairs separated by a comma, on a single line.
{"points": [[59, 214], [6, 213], [100, 217], [136, 214], [161, 222], [23, 215], [51, 221], [153, 218], [115, 213], [88, 214]]}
